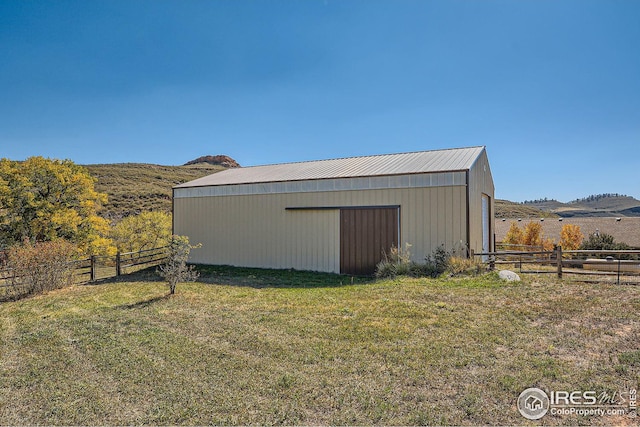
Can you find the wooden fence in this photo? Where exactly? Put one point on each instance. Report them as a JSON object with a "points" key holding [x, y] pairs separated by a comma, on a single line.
{"points": [[103, 267], [97, 268], [623, 266]]}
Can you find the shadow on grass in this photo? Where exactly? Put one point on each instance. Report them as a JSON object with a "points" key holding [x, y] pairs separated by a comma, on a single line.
{"points": [[272, 278], [145, 275], [143, 304], [249, 277]]}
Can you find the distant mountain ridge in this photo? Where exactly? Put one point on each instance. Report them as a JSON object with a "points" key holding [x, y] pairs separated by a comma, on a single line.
{"points": [[608, 204]]}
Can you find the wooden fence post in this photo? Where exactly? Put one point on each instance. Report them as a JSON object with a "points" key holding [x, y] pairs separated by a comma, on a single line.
{"points": [[118, 268], [559, 260], [93, 268]]}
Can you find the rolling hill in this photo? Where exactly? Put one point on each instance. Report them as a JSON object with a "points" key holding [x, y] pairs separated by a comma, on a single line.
{"points": [[507, 209], [602, 205], [136, 187]]}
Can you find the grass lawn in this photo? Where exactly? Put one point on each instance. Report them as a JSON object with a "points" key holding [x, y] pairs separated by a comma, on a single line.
{"points": [[266, 347]]}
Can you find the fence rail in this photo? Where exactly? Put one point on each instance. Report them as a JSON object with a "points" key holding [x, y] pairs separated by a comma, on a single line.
{"points": [[624, 265], [96, 267]]}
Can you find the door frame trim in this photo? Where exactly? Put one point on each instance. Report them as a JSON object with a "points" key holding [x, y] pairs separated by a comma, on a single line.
{"points": [[323, 208]]}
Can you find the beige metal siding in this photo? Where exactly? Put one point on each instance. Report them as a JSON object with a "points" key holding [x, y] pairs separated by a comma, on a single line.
{"points": [[480, 182], [258, 230]]}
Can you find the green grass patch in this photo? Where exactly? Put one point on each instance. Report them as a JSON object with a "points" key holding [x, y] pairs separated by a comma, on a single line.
{"points": [[251, 346], [631, 358], [260, 278]]}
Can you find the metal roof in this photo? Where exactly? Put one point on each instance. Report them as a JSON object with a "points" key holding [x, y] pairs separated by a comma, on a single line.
{"points": [[454, 159]]}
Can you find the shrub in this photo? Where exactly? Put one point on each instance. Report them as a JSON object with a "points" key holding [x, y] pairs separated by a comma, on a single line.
{"points": [[397, 262], [605, 242], [40, 267], [385, 269], [602, 242], [398, 255], [175, 268], [438, 261], [458, 266]]}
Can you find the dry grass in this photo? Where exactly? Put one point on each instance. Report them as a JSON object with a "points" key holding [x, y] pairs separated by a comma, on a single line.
{"points": [[507, 209], [627, 230], [266, 347], [135, 187]]}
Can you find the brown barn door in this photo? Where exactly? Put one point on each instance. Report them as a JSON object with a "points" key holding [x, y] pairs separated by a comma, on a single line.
{"points": [[365, 233]]}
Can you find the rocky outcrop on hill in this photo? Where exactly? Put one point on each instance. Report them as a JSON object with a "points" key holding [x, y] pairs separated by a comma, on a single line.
{"points": [[220, 159]]}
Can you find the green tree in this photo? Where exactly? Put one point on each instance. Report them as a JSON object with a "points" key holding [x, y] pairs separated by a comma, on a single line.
{"points": [[602, 241], [43, 200], [606, 242], [147, 230]]}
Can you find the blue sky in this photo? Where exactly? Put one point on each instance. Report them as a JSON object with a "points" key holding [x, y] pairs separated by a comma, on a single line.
{"points": [[552, 88]]}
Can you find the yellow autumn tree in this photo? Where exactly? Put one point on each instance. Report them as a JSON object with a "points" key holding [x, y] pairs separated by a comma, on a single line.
{"points": [[147, 230], [44, 200], [514, 236], [571, 237], [533, 235], [548, 244]]}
